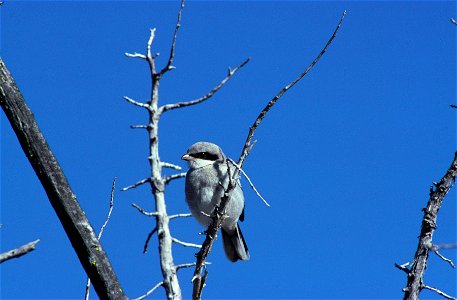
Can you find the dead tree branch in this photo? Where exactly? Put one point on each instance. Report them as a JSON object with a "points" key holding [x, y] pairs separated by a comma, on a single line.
{"points": [[169, 65], [449, 261], [170, 280], [168, 179], [18, 252], [146, 243], [168, 107], [441, 293], [136, 184], [217, 218], [156, 179], [150, 291], [102, 229], [445, 246], [75, 223], [417, 270]]}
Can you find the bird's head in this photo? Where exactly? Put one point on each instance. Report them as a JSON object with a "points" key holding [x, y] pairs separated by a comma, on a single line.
{"points": [[202, 154]]}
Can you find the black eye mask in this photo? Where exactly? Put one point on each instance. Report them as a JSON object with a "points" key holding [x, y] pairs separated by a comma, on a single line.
{"points": [[205, 156]]}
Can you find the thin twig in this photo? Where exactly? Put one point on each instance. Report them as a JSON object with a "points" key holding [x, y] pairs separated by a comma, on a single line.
{"points": [[250, 182], [449, 261], [168, 107], [403, 267], [198, 280], [18, 252], [445, 246], [185, 244], [179, 216], [438, 292], [173, 177], [150, 291], [171, 166], [184, 266], [139, 126], [146, 243], [143, 181], [149, 56], [135, 55], [146, 213], [169, 66], [130, 100], [111, 206]]}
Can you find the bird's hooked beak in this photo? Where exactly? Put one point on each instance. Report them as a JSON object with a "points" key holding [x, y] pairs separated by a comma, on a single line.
{"points": [[187, 157]]}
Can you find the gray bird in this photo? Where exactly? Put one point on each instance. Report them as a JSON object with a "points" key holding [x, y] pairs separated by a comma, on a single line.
{"points": [[207, 170]]}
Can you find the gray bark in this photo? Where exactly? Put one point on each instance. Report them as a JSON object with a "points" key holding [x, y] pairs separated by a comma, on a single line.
{"points": [[75, 223]]}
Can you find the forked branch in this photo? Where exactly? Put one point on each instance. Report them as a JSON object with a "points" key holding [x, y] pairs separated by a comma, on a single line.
{"points": [[230, 74], [169, 65]]}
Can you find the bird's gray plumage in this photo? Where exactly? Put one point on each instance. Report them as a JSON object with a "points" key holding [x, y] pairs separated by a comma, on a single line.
{"points": [[207, 169]]}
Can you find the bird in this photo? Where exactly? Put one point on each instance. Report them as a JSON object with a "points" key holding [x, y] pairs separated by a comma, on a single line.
{"points": [[205, 181]]}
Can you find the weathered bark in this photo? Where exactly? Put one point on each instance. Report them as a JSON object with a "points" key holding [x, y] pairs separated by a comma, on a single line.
{"points": [[74, 221], [18, 252], [416, 273]]}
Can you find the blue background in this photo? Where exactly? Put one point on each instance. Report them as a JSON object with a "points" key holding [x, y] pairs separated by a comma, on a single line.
{"points": [[345, 158]]}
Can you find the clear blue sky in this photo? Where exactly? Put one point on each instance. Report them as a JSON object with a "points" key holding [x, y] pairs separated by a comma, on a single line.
{"points": [[346, 158]]}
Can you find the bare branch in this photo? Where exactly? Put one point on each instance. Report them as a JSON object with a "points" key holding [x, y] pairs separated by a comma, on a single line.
{"points": [[18, 252], [150, 291], [250, 182], [139, 126], [199, 284], [146, 243], [111, 206], [171, 166], [174, 176], [435, 250], [403, 267], [130, 100], [217, 218], [185, 244], [168, 107], [184, 266], [146, 213], [149, 56], [74, 221], [416, 274], [272, 102], [445, 246], [135, 55], [426, 287], [170, 280], [179, 216], [143, 181], [169, 66]]}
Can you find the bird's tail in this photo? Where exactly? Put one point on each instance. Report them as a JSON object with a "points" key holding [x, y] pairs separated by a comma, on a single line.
{"points": [[234, 245]]}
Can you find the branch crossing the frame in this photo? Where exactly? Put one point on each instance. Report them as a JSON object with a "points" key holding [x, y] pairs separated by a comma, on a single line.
{"points": [[219, 213]]}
